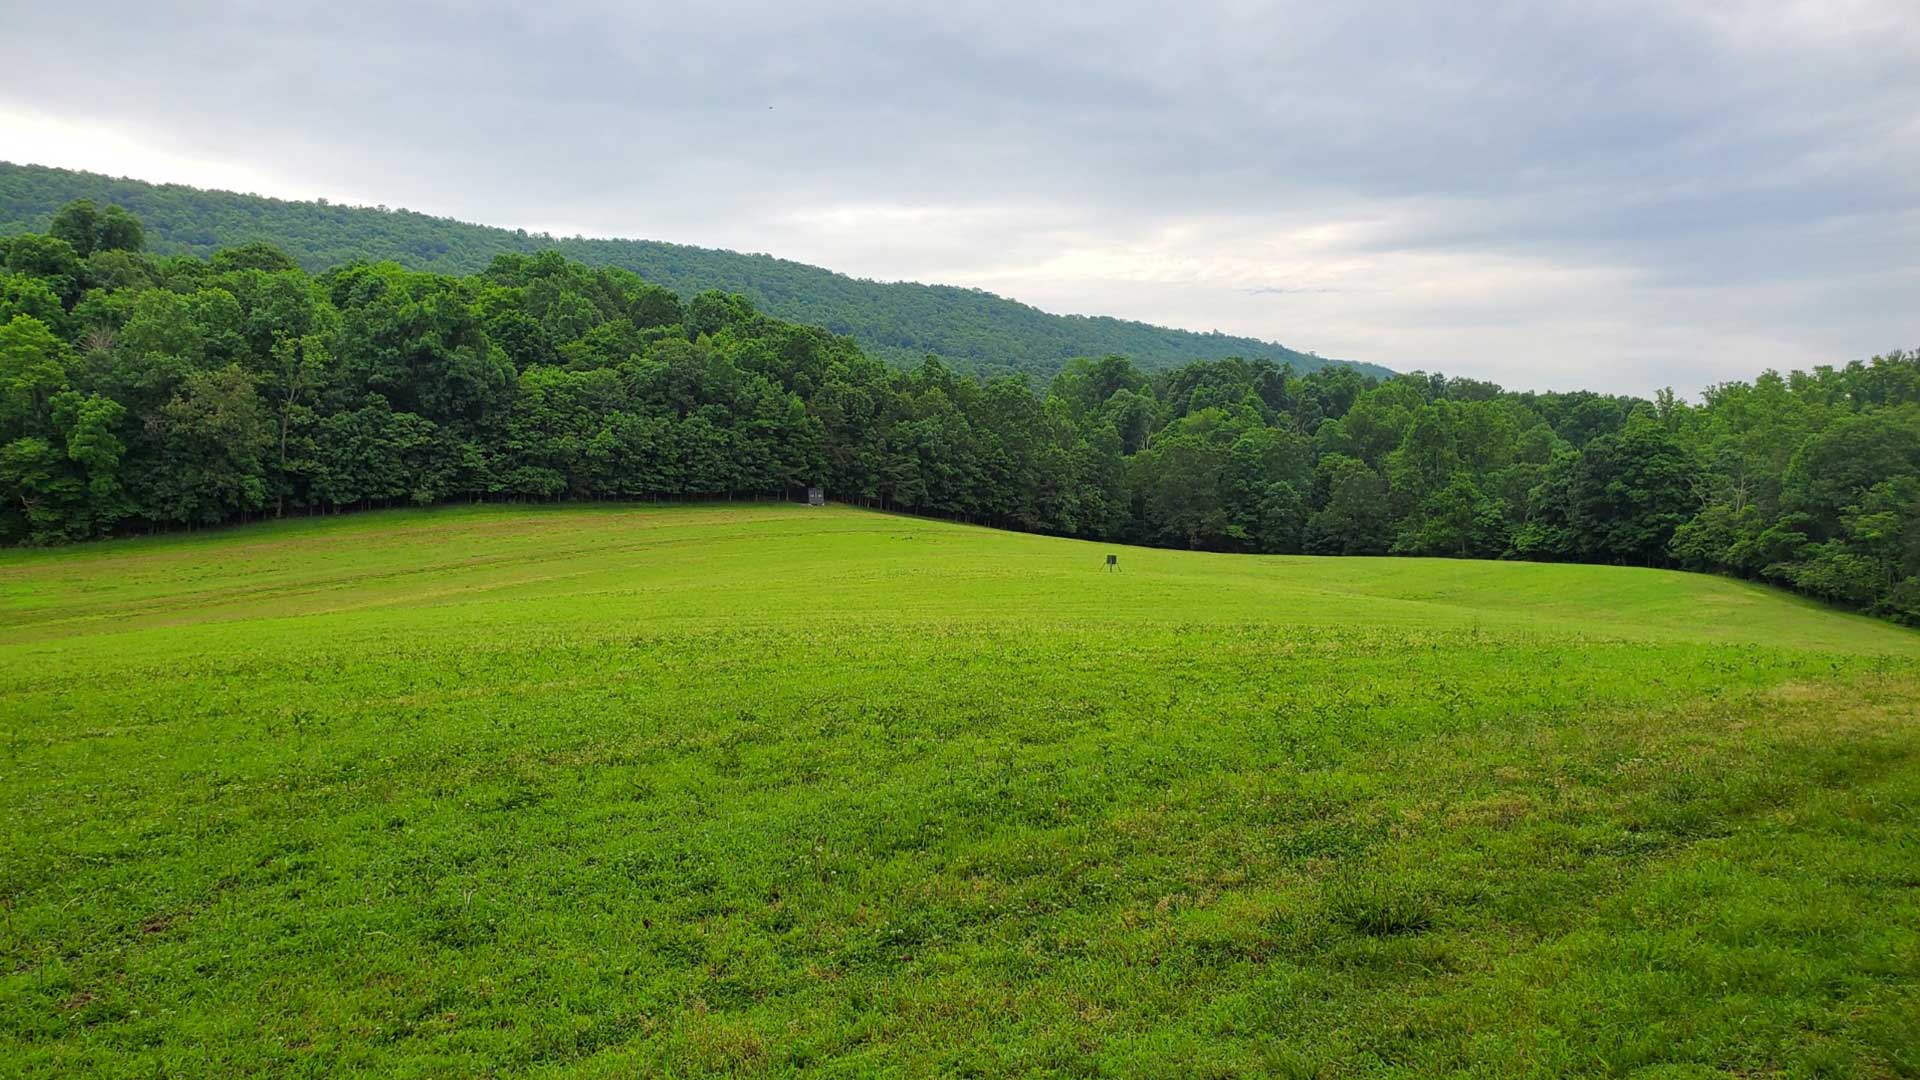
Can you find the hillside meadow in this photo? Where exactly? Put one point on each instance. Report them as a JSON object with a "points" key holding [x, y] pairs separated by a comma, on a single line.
{"points": [[760, 789]]}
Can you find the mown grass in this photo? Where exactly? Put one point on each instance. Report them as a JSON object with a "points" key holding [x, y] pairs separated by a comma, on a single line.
{"points": [[767, 790]]}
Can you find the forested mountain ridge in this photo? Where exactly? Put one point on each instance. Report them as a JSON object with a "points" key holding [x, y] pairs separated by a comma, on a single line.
{"points": [[897, 321]]}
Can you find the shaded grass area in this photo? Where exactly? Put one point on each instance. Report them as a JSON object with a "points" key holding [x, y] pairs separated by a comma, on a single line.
{"points": [[756, 791]]}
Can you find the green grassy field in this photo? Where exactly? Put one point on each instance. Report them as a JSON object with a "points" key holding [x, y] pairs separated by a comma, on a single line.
{"points": [[765, 790]]}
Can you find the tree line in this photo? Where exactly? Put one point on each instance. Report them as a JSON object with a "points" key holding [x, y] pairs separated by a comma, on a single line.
{"points": [[140, 393]]}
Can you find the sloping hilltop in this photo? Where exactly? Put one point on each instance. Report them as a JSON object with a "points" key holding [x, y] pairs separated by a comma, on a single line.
{"points": [[766, 789]]}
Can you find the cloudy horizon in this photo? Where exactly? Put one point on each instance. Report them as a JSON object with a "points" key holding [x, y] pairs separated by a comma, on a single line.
{"points": [[1548, 195]]}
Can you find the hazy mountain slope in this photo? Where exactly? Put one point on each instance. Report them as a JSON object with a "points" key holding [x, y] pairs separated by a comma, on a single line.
{"points": [[897, 320]]}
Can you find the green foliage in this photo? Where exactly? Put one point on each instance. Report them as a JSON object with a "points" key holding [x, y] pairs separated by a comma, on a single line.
{"points": [[50, 260], [1621, 499], [59, 451], [21, 294], [1353, 517], [216, 434], [89, 229], [1456, 520]]}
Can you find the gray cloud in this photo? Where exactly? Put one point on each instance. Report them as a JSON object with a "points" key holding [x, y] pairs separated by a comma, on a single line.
{"points": [[1618, 196]]}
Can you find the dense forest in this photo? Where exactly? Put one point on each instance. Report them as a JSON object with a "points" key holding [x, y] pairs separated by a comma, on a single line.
{"points": [[142, 392], [902, 322]]}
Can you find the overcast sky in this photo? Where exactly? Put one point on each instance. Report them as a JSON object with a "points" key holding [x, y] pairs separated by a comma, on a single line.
{"points": [[1609, 194]]}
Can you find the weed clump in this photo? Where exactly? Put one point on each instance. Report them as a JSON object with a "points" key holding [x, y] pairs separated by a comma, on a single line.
{"points": [[1379, 908]]}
